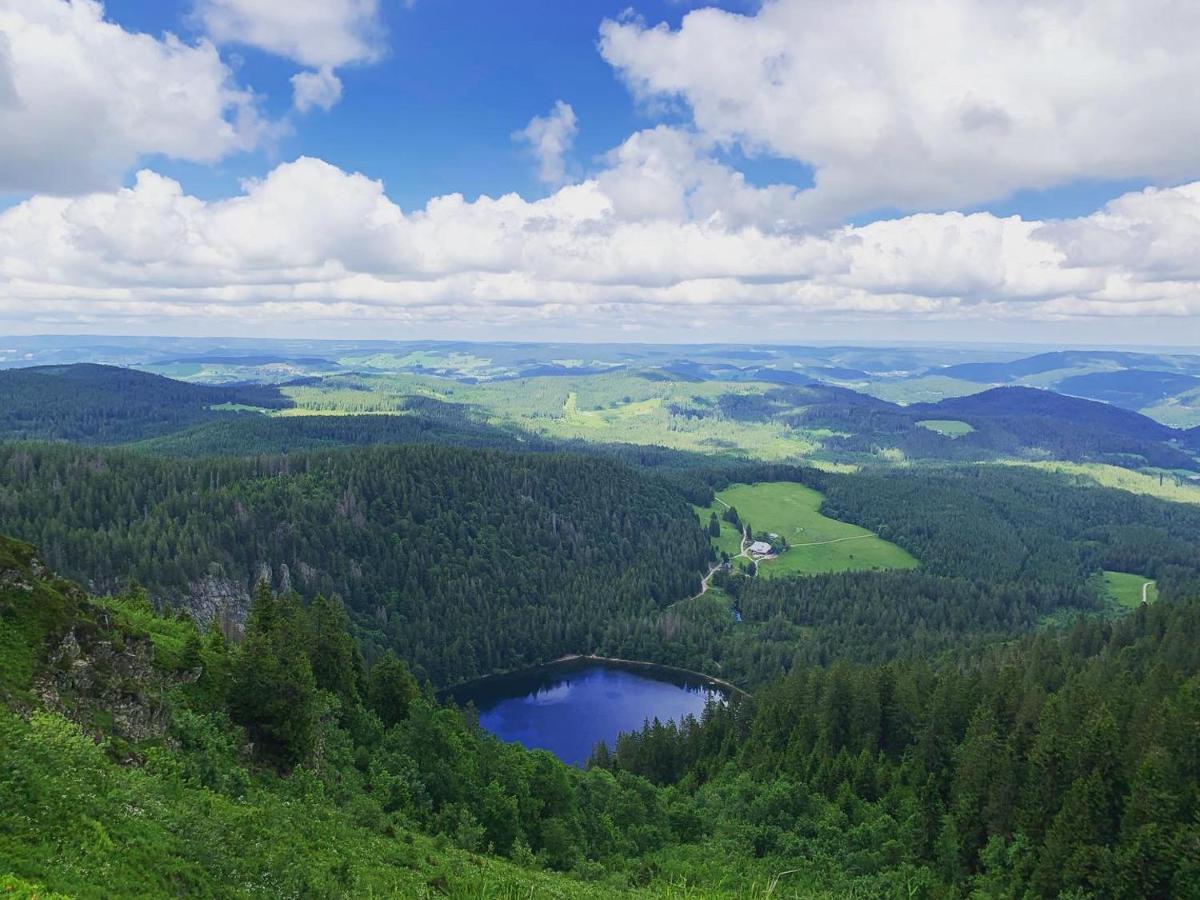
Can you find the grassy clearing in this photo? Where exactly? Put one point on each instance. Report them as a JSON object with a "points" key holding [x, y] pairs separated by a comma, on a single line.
{"points": [[1126, 589], [792, 511], [951, 428], [1120, 592], [1165, 486], [239, 407]]}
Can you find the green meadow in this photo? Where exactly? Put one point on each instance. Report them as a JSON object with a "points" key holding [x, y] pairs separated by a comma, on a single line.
{"points": [[949, 427], [1126, 589], [818, 543]]}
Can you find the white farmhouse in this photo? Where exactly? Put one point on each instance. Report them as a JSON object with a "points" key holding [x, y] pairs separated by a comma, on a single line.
{"points": [[760, 548]]}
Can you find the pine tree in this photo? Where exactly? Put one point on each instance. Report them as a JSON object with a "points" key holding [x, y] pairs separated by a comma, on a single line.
{"points": [[190, 658], [274, 694], [332, 651], [391, 689]]}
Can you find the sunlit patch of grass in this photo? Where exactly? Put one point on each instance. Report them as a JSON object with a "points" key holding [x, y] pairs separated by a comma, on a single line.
{"points": [[818, 543], [951, 428]]}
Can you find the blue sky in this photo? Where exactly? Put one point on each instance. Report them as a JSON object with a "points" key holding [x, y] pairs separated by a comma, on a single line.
{"points": [[944, 171], [436, 115]]}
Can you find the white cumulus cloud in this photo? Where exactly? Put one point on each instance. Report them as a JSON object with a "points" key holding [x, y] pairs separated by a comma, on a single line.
{"points": [[323, 34], [321, 89], [924, 105], [311, 243], [316, 33], [550, 138], [82, 99]]}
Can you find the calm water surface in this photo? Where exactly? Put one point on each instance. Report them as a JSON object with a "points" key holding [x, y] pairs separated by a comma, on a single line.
{"points": [[567, 708]]}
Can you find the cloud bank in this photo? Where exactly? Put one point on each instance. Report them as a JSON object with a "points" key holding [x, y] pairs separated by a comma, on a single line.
{"points": [[893, 103], [314, 242]]}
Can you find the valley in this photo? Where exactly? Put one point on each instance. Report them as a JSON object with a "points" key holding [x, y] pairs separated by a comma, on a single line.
{"points": [[640, 450], [288, 587]]}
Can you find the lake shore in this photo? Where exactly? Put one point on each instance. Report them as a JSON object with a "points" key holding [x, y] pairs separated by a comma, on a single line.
{"points": [[632, 664], [662, 667]]}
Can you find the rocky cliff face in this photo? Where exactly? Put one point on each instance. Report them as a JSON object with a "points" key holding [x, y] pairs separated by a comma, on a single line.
{"points": [[106, 680], [217, 597]]}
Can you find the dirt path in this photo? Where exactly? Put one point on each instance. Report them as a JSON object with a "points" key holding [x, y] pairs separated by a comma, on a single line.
{"points": [[857, 537], [706, 581], [1145, 587], [704, 585]]}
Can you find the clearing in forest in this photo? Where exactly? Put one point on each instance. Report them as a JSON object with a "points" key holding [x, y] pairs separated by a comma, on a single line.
{"points": [[950, 428], [817, 543], [1126, 589]]}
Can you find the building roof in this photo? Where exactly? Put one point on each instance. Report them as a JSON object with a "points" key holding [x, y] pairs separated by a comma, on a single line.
{"points": [[760, 547]]}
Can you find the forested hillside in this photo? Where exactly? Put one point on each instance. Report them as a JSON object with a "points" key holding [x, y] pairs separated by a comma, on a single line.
{"points": [[1003, 523], [256, 435], [1129, 388], [1007, 421], [1001, 550], [751, 414], [544, 554], [462, 561], [1016, 421], [108, 405], [1062, 764]]}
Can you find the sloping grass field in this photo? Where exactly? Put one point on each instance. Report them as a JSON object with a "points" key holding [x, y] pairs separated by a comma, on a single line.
{"points": [[1126, 589], [949, 427], [818, 543]]}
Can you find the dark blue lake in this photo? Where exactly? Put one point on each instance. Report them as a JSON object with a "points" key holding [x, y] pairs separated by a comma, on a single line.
{"points": [[569, 707]]}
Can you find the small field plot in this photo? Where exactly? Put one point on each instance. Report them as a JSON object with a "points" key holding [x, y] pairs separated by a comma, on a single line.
{"points": [[730, 540], [818, 543], [951, 428], [1126, 589]]}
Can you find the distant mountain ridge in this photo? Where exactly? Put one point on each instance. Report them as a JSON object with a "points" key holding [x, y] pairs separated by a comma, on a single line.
{"points": [[96, 404], [1041, 363], [90, 403], [1026, 401], [1129, 388]]}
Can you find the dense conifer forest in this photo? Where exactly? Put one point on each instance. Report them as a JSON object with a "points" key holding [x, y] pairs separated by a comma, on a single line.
{"points": [[462, 561], [1062, 764], [545, 554], [111, 405], [248, 696]]}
